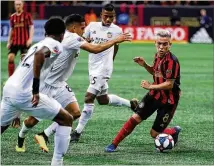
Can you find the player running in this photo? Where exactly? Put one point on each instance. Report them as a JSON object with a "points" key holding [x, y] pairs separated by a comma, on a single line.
{"points": [[21, 91], [100, 68], [163, 95], [53, 79]]}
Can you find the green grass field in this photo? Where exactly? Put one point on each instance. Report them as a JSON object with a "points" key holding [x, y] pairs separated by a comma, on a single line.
{"points": [[194, 114]]}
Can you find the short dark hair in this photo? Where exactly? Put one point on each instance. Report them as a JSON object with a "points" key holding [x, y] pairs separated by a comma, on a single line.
{"points": [[54, 26], [108, 7], [74, 18]]}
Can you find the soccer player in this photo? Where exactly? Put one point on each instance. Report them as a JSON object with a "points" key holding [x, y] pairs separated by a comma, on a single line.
{"points": [[20, 34], [163, 95], [54, 78], [21, 91], [100, 68]]}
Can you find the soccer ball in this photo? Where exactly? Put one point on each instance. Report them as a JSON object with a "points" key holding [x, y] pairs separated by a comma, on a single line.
{"points": [[164, 142]]}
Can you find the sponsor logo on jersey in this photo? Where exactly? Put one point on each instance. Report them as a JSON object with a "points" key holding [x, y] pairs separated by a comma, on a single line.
{"points": [[94, 32], [109, 34]]}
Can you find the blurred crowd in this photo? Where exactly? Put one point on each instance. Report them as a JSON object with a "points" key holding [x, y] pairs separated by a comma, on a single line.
{"points": [[162, 3]]}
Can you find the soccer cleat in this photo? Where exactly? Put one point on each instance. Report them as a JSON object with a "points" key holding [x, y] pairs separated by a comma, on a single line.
{"points": [[110, 148], [134, 104], [175, 136], [75, 136], [42, 142], [20, 147]]}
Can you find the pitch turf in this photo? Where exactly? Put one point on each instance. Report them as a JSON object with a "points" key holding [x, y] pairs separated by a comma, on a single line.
{"points": [[194, 114]]}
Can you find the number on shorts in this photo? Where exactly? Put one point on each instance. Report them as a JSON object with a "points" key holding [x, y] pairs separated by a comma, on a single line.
{"points": [[165, 118], [93, 80], [68, 88]]}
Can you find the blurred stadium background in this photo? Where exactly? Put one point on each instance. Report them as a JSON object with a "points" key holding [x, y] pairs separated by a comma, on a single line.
{"points": [[191, 24]]}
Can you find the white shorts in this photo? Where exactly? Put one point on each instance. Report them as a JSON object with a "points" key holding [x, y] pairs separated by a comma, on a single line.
{"points": [[98, 85], [47, 108], [64, 95]]}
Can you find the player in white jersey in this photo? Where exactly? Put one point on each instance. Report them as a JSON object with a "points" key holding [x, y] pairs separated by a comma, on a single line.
{"points": [[21, 91], [55, 77], [100, 68]]}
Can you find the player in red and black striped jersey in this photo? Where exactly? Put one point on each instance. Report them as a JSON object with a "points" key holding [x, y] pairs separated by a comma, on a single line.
{"points": [[163, 95], [20, 35]]}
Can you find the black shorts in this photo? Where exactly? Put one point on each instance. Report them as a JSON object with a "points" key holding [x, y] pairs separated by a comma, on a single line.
{"points": [[15, 48], [165, 112]]}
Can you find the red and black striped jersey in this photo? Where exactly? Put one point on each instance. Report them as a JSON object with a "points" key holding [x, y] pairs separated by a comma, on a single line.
{"points": [[20, 25], [165, 68]]}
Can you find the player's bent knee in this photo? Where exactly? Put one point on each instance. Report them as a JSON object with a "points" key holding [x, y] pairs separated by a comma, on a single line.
{"points": [[11, 58], [102, 102], [153, 133], [30, 122], [76, 115], [64, 118], [89, 97]]}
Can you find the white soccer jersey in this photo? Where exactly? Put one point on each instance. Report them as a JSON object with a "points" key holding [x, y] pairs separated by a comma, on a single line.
{"points": [[63, 66], [101, 63], [19, 85]]}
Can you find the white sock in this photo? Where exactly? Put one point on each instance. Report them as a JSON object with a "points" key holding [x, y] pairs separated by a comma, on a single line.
{"points": [[115, 100], [24, 131], [85, 116], [61, 143], [51, 129]]}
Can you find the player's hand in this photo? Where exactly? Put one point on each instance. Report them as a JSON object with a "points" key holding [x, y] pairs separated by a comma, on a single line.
{"points": [[16, 123], [124, 37], [8, 45], [145, 84], [140, 61], [29, 42], [35, 100]]}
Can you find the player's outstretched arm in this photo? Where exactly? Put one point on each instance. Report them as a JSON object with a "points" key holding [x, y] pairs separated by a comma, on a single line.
{"points": [[104, 46], [140, 61], [39, 59]]}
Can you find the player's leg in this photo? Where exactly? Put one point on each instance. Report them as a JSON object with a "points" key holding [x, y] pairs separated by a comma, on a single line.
{"points": [[95, 87], [49, 108], [163, 118], [85, 115], [66, 97], [11, 59], [144, 110], [27, 125], [7, 114], [73, 109], [104, 98]]}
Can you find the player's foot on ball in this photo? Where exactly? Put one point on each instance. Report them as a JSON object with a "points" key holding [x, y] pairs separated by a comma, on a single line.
{"points": [[134, 104], [20, 147], [75, 136], [175, 136], [110, 148], [42, 143]]}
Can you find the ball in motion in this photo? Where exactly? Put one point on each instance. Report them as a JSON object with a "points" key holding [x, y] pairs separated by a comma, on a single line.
{"points": [[164, 142]]}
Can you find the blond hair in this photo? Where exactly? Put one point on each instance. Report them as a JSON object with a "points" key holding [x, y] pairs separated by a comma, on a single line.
{"points": [[163, 33]]}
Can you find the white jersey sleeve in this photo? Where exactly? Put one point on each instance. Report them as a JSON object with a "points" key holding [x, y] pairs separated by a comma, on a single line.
{"points": [[72, 41], [63, 66]]}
